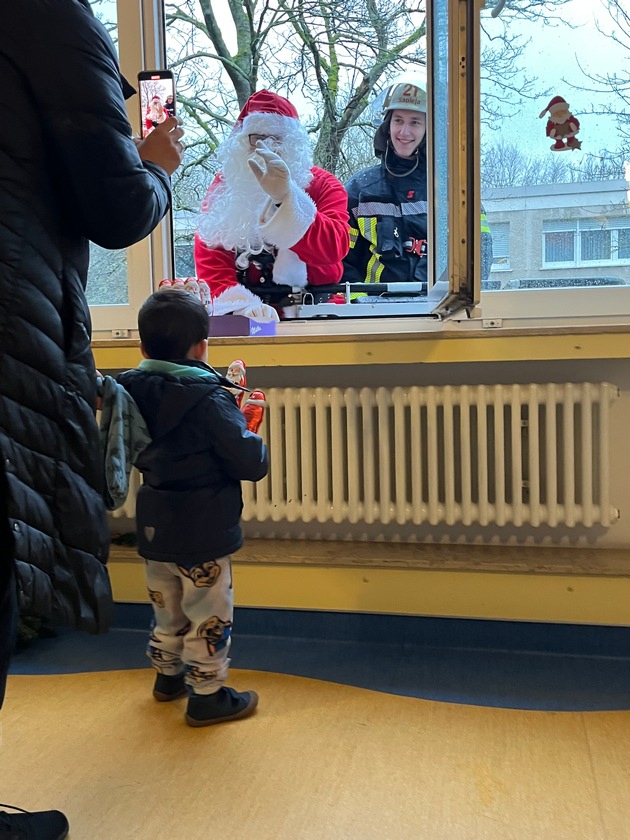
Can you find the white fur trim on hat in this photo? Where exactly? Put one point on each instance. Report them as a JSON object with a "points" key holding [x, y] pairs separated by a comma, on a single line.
{"points": [[263, 123], [558, 103]]}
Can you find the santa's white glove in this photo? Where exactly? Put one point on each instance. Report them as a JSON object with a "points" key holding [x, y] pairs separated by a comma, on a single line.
{"points": [[272, 172], [258, 312]]}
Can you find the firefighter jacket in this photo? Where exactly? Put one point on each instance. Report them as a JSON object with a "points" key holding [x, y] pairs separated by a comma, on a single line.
{"points": [[388, 223]]}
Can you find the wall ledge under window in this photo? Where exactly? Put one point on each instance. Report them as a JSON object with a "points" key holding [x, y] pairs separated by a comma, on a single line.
{"points": [[560, 585], [448, 341]]}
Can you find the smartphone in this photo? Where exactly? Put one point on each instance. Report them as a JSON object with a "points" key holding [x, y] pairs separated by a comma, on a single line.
{"points": [[157, 98]]}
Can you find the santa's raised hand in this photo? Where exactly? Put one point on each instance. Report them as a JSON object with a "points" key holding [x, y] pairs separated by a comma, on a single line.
{"points": [[271, 172]]}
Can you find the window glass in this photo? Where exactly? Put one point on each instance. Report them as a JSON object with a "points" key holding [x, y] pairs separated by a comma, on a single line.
{"points": [[440, 137], [107, 275], [559, 247], [334, 62], [555, 141], [595, 245], [623, 244], [501, 246]]}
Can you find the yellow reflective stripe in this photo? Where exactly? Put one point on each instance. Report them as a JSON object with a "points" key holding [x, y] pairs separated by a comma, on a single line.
{"points": [[485, 227], [354, 237], [374, 268], [367, 228]]}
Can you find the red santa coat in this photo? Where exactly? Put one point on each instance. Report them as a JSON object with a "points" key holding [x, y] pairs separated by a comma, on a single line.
{"points": [[569, 128], [310, 230]]}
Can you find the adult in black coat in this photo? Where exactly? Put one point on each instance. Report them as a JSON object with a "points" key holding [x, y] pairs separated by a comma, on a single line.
{"points": [[7, 590], [70, 172]]}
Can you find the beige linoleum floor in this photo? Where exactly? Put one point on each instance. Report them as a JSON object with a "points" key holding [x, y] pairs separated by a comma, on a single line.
{"points": [[319, 761]]}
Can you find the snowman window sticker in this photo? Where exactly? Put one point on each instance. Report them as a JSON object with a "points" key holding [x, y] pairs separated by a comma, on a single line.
{"points": [[562, 126]]}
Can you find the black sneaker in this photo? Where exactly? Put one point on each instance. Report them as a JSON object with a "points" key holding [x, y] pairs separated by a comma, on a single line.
{"points": [[32, 825], [225, 704], [168, 688]]}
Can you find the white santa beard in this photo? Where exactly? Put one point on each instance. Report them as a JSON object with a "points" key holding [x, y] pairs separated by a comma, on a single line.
{"points": [[232, 220]]}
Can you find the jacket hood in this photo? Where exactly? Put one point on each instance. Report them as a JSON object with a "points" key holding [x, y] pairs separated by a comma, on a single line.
{"points": [[174, 393]]}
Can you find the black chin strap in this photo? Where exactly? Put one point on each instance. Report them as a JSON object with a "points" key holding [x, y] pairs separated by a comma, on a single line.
{"points": [[402, 174]]}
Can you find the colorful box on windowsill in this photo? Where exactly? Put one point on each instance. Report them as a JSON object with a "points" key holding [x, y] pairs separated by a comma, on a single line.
{"points": [[228, 325]]}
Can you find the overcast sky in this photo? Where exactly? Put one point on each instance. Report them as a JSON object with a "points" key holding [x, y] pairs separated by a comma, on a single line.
{"points": [[561, 56]]}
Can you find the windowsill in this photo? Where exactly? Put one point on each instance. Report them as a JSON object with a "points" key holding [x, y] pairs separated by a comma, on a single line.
{"points": [[403, 341]]}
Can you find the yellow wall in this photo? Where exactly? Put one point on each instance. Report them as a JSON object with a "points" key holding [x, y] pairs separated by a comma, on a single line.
{"points": [[566, 597], [575, 599]]}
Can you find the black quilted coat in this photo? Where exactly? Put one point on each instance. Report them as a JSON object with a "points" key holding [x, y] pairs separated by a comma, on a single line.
{"points": [[69, 173]]}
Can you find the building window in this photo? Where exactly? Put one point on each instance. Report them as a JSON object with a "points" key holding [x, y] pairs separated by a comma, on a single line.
{"points": [[623, 244], [501, 246], [595, 245], [524, 183], [559, 246], [582, 242]]}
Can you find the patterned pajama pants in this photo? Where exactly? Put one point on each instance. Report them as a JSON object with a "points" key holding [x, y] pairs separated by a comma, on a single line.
{"points": [[194, 610]]}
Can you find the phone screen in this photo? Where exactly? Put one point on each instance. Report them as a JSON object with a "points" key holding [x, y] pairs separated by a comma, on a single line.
{"points": [[157, 98]]}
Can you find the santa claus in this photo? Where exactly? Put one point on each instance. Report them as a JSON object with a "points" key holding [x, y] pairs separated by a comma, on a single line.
{"points": [[269, 215], [562, 126]]}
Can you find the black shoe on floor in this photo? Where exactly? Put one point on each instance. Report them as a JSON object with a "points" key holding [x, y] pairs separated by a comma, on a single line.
{"points": [[32, 825], [168, 688], [225, 704]]}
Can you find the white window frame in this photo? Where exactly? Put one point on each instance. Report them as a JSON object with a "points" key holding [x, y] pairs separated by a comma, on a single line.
{"points": [[141, 46], [584, 226]]}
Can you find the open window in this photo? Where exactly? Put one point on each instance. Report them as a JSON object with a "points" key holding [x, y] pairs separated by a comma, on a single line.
{"points": [[453, 34], [207, 90]]}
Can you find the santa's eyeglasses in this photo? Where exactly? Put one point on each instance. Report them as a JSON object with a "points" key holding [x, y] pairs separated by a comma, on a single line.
{"points": [[255, 138]]}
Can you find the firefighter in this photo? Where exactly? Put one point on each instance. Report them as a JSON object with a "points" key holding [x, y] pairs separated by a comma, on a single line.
{"points": [[387, 203]]}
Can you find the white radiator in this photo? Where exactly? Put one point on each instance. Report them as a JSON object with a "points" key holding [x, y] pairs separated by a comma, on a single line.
{"points": [[468, 454]]}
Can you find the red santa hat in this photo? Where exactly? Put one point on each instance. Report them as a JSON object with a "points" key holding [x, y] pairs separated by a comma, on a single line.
{"points": [[266, 112], [556, 104]]}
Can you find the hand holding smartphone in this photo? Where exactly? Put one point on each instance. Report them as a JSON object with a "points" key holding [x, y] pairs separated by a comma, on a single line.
{"points": [[157, 98]]}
